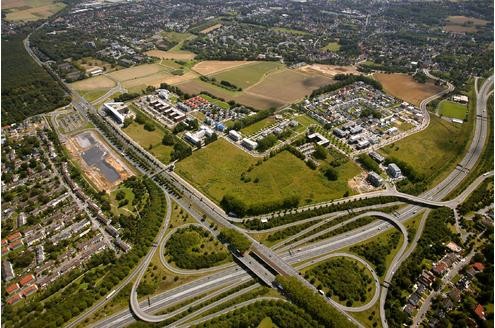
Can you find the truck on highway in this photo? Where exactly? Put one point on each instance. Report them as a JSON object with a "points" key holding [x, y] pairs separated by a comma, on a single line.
{"points": [[111, 294]]}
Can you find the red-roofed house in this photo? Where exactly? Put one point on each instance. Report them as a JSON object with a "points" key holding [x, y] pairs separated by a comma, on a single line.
{"points": [[16, 244], [478, 266], [29, 290], [480, 311], [12, 288], [440, 268], [4, 242], [14, 236], [5, 250], [27, 279], [14, 299]]}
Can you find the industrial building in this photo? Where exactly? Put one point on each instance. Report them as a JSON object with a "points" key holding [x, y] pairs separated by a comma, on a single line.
{"points": [[234, 135]]}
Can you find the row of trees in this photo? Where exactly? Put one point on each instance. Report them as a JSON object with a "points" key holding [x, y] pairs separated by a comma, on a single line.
{"points": [[346, 79], [235, 239], [232, 204], [312, 303]]}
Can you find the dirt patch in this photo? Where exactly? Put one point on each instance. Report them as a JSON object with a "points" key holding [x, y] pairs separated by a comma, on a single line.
{"points": [[288, 86], [463, 24], [258, 101], [93, 83], [174, 79], [214, 66], [404, 87], [100, 165], [211, 28], [328, 70], [179, 55]]}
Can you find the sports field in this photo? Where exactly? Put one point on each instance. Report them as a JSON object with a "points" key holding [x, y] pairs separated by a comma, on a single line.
{"points": [[216, 170], [247, 75], [439, 145], [404, 87], [30, 10], [452, 109]]}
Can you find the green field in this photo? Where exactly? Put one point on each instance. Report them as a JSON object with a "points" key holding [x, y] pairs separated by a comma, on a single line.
{"points": [[332, 46], [346, 280], [92, 95], [432, 150], [124, 210], [452, 109], [150, 140], [290, 31], [177, 37], [253, 128], [249, 74], [267, 323], [216, 170], [219, 103]]}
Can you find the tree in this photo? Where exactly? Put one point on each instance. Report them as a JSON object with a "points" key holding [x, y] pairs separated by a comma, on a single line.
{"points": [[320, 152], [235, 239], [331, 173], [168, 139]]}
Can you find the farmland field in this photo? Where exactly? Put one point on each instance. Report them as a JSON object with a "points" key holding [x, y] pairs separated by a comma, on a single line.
{"points": [[277, 178], [208, 67], [452, 109], [171, 54], [30, 10], [247, 75], [465, 24], [288, 86], [439, 145], [328, 70], [211, 28], [404, 87], [93, 83]]}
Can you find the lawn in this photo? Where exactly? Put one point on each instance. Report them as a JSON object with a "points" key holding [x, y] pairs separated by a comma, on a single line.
{"points": [[92, 95], [150, 140], [434, 149], [258, 126], [332, 46], [247, 75], [124, 210], [452, 109], [290, 31], [219, 103], [216, 170], [267, 323]]}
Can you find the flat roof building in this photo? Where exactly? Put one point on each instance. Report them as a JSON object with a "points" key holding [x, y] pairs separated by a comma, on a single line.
{"points": [[249, 144], [234, 135], [319, 139], [377, 157], [118, 110], [375, 179], [394, 171], [7, 271]]}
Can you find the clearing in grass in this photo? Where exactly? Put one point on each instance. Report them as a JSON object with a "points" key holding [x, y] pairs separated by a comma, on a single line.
{"points": [[452, 109], [217, 169]]}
